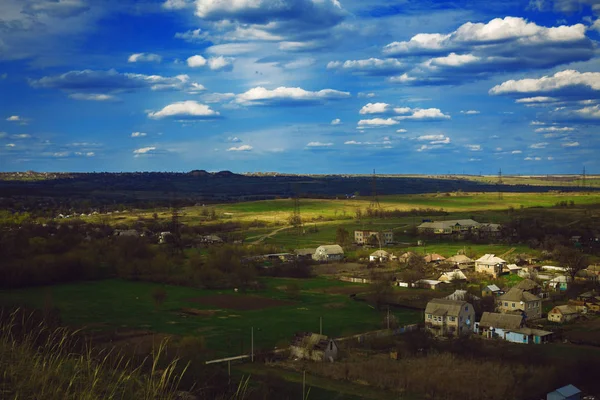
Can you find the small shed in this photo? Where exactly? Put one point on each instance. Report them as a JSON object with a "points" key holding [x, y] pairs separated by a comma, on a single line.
{"points": [[304, 254], [492, 290], [451, 276], [314, 347], [568, 392], [379, 255], [430, 283], [562, 314], [559, 283], [528, 285]]}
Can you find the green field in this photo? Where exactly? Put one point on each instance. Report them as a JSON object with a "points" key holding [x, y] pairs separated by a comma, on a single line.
{"points": [[110, 304]]}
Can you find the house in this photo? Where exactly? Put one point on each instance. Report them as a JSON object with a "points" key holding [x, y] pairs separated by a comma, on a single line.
{"points": [[330, 252], [591, 273], [496, 325], [404, 257], [559, 283], [528, 335], [460, 261], [126, 232], [492, 290], [314, 347], [519, 301], [379, 255], [529, 286], [434, 258], [366, 236], [568, 392], [513, 269], [490, 264], [429, 284], [461, 295], [489, 230], [450, 227], [449, 317], [210, 239], [562, 314], [304, 254], [456, 275]]}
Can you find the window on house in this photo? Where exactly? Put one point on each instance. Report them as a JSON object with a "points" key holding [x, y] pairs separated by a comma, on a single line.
{"points": [[466, 308], [429, 316], [505, 304], [330, 345], [460, 319], [513, 305]]}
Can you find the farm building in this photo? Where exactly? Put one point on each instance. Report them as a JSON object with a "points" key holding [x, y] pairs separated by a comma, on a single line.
{"points": [[568, 392], [460, 261], [314, 347], [528, 335], [434, 258], [490, 230], [429, 284], [366, 237], [562, 314], [449, 227], [461, 295], [379, 255], [492, 290], [496, 325], [449, 317], [512, 269], [452, 276], [519, 301], [490, 264], [330, 252], [305, 254], [404, 257], [559, 283]]}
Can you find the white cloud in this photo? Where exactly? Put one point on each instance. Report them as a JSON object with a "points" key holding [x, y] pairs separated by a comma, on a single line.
{"points": [[537, 99], [217, 97], [185, 110], [371, 66], [299, 63], [14, 118], [401, 131], [567, 79], [550, 158], [144, 150], [374, 108], [352, 142], [425, 113], [589, 112], [319, 144], [541, 145], [138, 134], [554, 129], [86, 154], [232, 49], [196, 61], [21, 136], [193, 36], [377, 122], [498, 148], [260, 95], [367, 95], [144, 57], [470, 112], [177, 4], [92, 96], [596, 25], [336, 121], [474, 159], [537, 123], [11, 145], [431, 137], [220, 62], [234, 139], [196, 87], [516, 152], [61, 154], [243, 147], [570, 144], [402, 110], [473, 147]]}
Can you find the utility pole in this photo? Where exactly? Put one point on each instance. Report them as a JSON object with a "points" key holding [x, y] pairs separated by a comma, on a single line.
{"points": [[583, 179], [320, 325], [304, 385], [252, 344], [499, 184], [388, 317], [374, 199]]}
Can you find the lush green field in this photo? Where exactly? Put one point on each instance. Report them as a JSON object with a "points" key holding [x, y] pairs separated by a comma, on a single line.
{"points": [[128, 305]]}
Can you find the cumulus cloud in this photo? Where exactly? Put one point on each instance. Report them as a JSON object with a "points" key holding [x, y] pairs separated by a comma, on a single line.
{"points": [[516, 152], [143, 150], [195, 88], [92, 96], [109, 81], [589, 112], [424, 114], [220, 63], [14, 118], [370, 66], [554, 129], [244, 147], [477, 50], [196, 61], [352, 142], [144, 57], [287, 95], [401, 131], [193, 36], [374, 108], [376, 122], [185, 110], [568, 82], [473, 147], [336, 121], [138, 134], [570, 144], [234, 139], [469, 112], [177, 4], [318, 144], [435, 139], [541, 145], [537, 99]]}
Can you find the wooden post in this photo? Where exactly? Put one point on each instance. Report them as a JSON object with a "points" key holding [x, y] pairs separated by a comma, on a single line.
{"points": [[304, 385], [252, 344], [320, 325]]}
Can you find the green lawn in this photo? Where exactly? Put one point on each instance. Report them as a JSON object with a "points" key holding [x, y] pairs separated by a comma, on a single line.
{"points": [[129, 305]]}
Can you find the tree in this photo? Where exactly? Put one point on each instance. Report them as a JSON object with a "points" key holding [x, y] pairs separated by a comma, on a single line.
{"points": [[159, 295], [381, 289], [573, 260], [342, 236]]}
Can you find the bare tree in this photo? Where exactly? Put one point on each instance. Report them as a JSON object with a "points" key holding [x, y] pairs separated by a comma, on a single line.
{"points": [[573, 260]]}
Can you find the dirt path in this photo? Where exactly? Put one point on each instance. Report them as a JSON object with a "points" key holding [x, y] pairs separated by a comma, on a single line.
{"points": [[261, 238]]}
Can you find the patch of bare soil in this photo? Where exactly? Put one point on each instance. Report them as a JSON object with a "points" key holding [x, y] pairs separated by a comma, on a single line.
{"points": [[244, 303], [198, 312]]}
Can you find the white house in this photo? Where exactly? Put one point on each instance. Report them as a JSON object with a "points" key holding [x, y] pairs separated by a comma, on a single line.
{"points": [[329, 252], [456, 275], [379, 255], [490, 264]]}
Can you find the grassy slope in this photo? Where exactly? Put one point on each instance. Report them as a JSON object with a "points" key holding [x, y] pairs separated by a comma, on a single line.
{"points": [[122, 304]]}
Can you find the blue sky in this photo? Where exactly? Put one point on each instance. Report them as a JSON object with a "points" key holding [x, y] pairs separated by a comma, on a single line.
{"points": [[300, 86]]}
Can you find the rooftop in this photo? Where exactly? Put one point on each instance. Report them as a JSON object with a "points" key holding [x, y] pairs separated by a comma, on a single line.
{"points": [[502, 321], [518, 295], [445, 307]]}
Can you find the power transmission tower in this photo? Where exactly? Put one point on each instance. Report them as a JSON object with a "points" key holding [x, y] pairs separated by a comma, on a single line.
{"points": [[500, 184], [296, 218], [374, 199]]}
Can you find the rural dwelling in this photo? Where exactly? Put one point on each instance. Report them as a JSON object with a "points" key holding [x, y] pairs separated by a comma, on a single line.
{"points": [[304, 254], [559, 283], [434, 258], [529, 286], [586, 302], [449, 317], [496, 325], [568, 392], [489, 230], [520, 301], [492, 290], [366, 237], [528, 335], [329, 252], [461, 295], [562, 314], [314, 347], [453, 276], [456, 226], [404, 257], [460, 261], [490, 264], [379, 256], [429, 284]]}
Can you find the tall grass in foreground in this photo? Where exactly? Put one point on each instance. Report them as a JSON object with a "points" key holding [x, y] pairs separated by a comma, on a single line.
{"points": [[39, 363]]}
